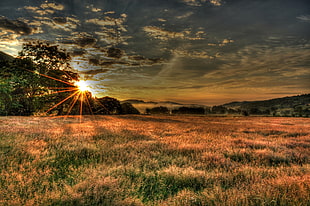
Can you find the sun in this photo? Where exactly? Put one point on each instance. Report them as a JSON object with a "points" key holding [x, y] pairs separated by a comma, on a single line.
{"points": [[82, 86]]}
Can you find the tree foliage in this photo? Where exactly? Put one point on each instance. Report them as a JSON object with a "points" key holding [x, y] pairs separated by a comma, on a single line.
{"points": [[29, 83]]}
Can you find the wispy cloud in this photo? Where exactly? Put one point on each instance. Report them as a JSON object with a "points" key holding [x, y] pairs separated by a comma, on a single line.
{"points": [[201, 2], [195, 54], [187, 14], [162, 34], [304, 18]]}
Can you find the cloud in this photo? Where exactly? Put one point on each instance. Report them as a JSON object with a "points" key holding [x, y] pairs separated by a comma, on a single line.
{"points": [[45, 8], [102, 22], [226, 41], [192, 2], [263, 68], [110, 30], [115, 52], [111, 36], [52, 6], [117, 58], [108, 21], [195, 54], [187, 14], [57, 22], [93, 9], [50, 14], [60, 20], [85, 40], [94, 72], [39, 10], [78, 52], [304, 18], [216, 2], [16, 26], [161, 20], [201, 2], [162, 34]]}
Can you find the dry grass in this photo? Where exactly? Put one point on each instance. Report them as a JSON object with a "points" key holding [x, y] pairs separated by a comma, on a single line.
{"points": [[154, 160]]}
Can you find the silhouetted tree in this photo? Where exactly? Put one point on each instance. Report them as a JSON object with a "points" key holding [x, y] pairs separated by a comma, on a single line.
{"points": [[158, 110], [233, 111], [107, 105], [219, 110], [189, 110], [255, 111], [54, 72], [127, 108], [245, 113]]}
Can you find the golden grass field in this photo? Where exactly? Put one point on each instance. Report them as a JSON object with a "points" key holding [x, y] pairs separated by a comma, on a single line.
{"points": [[154, 160]]}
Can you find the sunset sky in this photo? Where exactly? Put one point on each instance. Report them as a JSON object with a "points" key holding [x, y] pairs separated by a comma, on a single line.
{"points": [[189, 51]]}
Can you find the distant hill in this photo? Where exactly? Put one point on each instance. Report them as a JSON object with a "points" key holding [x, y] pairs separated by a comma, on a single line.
{"points": [[143, 105], [285, 102], [286, 106], [137, 101], [5, 57]]}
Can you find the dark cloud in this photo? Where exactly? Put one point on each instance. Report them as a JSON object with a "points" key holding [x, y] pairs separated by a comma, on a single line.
{"points": [[138, 58], [115, 52], [94, 72], [60, 20], [106, 63], [15, 26], [78, 52], [128, 61], [85, 41], [94, 61]]}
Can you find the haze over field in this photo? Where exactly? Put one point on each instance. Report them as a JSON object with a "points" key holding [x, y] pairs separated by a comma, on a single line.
{"points": [[189, 51]]}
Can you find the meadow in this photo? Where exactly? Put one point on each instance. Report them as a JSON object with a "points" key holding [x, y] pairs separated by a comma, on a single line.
{"points": [[154, 160]]}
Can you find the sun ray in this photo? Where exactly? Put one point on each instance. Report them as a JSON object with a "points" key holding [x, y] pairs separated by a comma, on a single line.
{"points": [[81, 104], [62, 101], [73, 103], [68, 75], [103, 107], [56, 92], [88, 103], [44, 75], [72, 88]]}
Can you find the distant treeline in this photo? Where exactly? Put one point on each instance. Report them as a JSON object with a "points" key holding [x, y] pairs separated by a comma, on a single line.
{"points": [[298, 111]]}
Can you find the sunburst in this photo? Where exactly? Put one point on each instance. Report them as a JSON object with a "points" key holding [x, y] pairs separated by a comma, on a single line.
{"points": [[78, 90], [82, 86]]}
